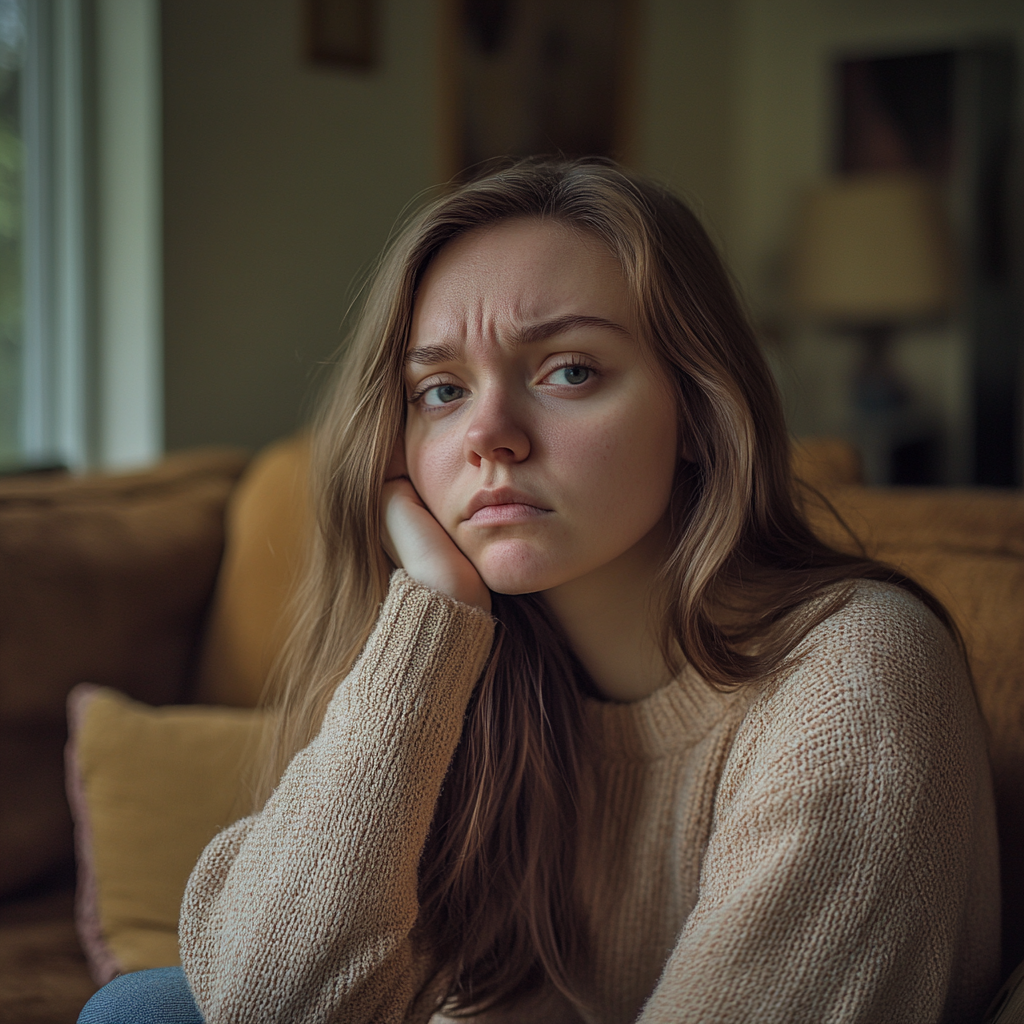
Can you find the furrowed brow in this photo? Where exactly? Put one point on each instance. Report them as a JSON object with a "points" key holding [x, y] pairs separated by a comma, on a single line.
{"points": [[448, 351], [431, 355], [559, 324]]}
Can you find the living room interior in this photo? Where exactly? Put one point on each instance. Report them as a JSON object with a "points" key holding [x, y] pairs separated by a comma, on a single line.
{"points": [[269, 219], [240, 165]]}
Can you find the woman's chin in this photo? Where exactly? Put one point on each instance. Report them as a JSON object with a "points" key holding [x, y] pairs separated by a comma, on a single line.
{"points": [[515, 567]]}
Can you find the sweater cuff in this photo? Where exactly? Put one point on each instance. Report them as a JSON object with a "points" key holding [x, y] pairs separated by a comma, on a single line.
{"points": [[426, 647]]}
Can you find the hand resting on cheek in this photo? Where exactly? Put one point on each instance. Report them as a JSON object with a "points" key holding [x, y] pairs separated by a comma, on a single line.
{"points": [[415, 541]]}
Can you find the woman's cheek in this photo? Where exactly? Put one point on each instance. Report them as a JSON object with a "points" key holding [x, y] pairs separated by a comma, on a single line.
{"points": [[568, 444], [589, 460], [433, 465]]}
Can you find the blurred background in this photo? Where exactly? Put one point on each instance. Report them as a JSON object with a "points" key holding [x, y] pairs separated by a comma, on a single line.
{"points": [[191, 192]]}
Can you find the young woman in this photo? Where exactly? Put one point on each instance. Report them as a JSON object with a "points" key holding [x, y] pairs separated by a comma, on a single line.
{"points": [[582, 722]]}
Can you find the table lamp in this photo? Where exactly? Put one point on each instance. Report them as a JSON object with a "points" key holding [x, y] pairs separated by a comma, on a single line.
{"points": [[872, 254]]}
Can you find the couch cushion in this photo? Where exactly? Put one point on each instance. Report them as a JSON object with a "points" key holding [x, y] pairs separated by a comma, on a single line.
{"points": [[105, 578], [149, 788], [268, 523]]}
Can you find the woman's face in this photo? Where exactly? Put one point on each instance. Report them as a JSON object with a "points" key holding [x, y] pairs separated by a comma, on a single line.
{"points": [[538, 434]]}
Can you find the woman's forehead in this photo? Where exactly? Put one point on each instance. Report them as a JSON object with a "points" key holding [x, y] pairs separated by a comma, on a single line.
{"points": [[516, 273], [514, 236]]}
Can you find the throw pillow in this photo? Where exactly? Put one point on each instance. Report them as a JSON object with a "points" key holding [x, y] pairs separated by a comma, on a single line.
{"points": [[149, 787], [268, 524]]}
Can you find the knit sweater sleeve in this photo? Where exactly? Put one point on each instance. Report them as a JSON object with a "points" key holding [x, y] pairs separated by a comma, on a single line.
{"points": [[852, 846], [303, 912]]}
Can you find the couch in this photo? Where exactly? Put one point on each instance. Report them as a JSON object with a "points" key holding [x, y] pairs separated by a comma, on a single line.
{"points": [[170, 585]]}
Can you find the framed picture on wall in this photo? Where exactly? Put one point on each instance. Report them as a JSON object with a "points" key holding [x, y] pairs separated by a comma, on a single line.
{"points": [[340, 33], [537, 76]]}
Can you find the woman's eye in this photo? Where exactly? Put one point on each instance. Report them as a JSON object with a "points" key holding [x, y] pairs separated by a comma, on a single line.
{"points": [[574, 374], [443, 394]]}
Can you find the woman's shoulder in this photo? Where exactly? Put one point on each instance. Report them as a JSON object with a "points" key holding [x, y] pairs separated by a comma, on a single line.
{"points": [[880, 637], [880, 675]]}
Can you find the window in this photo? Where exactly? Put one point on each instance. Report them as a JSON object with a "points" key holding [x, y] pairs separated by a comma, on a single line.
{"points": [[80, 277], [12, 38]]}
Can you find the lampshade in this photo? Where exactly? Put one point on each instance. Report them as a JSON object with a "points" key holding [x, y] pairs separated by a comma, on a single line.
{"points": [[872, 249]]}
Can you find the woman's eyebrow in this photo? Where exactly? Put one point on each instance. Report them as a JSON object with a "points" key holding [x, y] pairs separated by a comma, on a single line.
{"points": [[430, 355], [449, 351], [559, 324]]}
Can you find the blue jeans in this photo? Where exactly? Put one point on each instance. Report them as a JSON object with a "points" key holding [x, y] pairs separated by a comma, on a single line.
{"points": [[160, 996]]}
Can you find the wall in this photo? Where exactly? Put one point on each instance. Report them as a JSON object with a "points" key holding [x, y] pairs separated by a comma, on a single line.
{"points": [[685, 103], [281, 183]]}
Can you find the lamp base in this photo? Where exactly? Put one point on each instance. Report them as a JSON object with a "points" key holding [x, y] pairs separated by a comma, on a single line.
{"points": [[897, 445], [879, 389]]}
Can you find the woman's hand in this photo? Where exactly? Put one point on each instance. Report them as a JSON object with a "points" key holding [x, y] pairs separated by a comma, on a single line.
{"points": [[418, 543]]}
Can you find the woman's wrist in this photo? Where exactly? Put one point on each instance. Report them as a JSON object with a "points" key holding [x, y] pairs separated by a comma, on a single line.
{"points": [[416, 542], [459, 587]]}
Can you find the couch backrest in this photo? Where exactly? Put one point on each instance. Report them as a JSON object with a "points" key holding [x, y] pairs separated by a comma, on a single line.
{"points": [[104, 578], [967, 546]]}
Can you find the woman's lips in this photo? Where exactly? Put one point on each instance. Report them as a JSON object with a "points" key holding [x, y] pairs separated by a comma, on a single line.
{"points": [[509, 512], [503, 505]]}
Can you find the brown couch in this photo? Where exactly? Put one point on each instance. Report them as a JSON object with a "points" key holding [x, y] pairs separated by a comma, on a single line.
{"points": [[169, 584]]}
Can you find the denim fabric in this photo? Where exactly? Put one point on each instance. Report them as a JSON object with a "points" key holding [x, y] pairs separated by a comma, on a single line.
{"points": [[160, 996]]}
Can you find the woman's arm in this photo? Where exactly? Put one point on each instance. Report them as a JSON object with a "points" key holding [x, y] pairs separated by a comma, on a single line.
{"points": [[303, 912], [851, 873]]}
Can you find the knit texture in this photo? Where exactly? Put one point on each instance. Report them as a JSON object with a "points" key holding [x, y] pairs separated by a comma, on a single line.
{"points": [[822, 848]]}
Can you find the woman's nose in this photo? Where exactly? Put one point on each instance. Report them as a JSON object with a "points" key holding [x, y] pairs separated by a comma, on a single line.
{"points": [[494, 432]]}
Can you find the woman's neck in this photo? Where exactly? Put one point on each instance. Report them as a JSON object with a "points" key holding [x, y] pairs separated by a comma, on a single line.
{"points": [[607, 616]]}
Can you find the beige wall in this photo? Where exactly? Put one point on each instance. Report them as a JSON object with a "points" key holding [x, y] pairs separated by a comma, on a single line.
{"points": [[686, 99], [281, 182]]}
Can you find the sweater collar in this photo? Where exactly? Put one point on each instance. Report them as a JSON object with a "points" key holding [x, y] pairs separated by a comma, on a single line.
{"points": [[671, 719]]}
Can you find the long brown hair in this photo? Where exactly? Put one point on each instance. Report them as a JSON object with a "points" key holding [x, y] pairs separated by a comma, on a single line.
{"points": [[498, 884]]}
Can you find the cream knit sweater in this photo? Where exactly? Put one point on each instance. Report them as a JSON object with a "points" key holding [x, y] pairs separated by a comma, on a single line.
{"points": [[820, 850]]}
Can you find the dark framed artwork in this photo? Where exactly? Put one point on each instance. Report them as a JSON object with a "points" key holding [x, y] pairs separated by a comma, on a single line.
{"points": [[537, 76], [896, 113], [340, 33]]}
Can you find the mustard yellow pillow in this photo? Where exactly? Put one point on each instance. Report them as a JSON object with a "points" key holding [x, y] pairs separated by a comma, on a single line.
{"points": [[149, 787]]}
